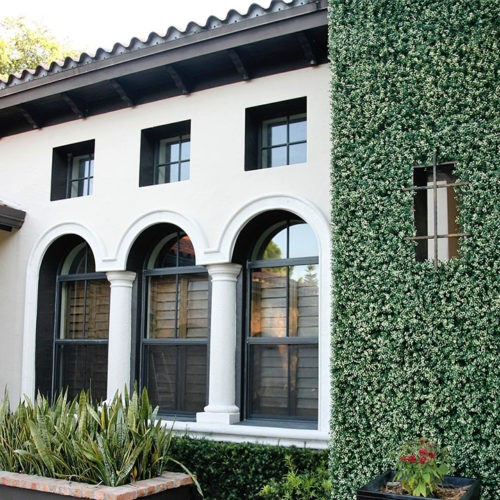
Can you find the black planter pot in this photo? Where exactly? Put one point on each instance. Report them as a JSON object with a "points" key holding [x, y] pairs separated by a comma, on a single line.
{"points": [[372, 490]]}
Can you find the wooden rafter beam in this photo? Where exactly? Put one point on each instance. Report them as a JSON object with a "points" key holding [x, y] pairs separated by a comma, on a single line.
{"points": [[28, 117], [238, 64], [124, 96], [307, 49], [73, 105], [178, 80]]}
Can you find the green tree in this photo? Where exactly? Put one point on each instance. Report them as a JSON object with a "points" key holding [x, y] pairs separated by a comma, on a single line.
{"points": [[25, 45]]}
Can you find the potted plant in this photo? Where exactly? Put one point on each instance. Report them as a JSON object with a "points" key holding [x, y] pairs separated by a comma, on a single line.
{"points": [[421, 471], [84, 450]]}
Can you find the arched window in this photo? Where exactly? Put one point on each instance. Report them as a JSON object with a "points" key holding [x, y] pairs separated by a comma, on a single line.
{"points": [[82, 324], [175, 324], [281, 325]]}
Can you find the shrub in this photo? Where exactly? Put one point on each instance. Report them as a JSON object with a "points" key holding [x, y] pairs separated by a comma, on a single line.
{"points": [[233, 471]]}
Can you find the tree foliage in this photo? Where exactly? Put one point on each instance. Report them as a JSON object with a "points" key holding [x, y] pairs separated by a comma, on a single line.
{"points": [[25, 45]]}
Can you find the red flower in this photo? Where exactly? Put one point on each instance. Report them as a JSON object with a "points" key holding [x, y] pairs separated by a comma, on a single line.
{"points": [[411, 458], [423, 460], [404, 458], [423, 451], [432, 455]]}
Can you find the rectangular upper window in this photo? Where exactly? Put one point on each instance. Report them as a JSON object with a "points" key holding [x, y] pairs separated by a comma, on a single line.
{"points": [[435, 212], [276, 134], [165, 154], [72, 170]]}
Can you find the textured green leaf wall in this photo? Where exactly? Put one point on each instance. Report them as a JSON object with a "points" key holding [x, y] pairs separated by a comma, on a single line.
{"points": [[414, 351]]}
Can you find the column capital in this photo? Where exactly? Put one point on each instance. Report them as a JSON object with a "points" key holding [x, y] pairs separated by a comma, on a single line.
{"points": [[224, 272], [121, 278]]}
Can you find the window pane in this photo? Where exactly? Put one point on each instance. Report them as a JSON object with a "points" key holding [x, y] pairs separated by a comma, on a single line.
{"points": [[284, 380], [274, 132], [161, 175], [184, 171], [83, 367], [277, 157], [85, 309], [298, 153], [269, 302], [162, 302], [186, 150], [276, 248], [178, 306], [302, 241], [175, 377], [174, 172], [173, 151], [298, 128], [303, 319]]}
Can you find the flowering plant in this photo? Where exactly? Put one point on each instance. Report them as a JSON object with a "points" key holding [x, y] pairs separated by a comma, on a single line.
{"points": [[421, 466]]}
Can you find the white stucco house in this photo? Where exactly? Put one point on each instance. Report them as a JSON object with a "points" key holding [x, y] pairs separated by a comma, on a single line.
{"points": [[164, 218]]}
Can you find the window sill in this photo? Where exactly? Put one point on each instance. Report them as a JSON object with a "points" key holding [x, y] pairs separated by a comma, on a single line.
{"points": [[304, 438]]}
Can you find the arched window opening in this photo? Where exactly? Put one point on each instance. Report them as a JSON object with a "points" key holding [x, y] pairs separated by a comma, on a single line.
{"points": [[280, 362], [80, 359], [174, 327]]}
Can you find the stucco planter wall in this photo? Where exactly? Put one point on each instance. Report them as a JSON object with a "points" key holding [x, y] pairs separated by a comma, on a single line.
{"points": [[170, 485], [372, 490]]}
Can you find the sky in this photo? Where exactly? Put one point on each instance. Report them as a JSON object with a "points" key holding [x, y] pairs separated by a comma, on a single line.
{"points": [[86, 25]]}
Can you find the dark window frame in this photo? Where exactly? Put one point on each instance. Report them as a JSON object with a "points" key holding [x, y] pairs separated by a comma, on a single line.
{"points": [[57, 384], [62, 167], [149, 163], [178, 270], [255, 117], [252, 264]]}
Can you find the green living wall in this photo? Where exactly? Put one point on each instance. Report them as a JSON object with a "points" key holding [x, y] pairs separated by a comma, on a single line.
{"points": [[414, 351]]}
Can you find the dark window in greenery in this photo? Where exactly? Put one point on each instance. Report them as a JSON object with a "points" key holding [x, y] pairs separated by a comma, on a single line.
{"points": [[175, 323], [281, 331], [165, 154], [435, 211], [82, 324], [276, 134], [72, 170]]}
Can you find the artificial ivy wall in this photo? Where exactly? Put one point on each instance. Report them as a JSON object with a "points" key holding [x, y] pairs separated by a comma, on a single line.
{"points": [[414, 351]]}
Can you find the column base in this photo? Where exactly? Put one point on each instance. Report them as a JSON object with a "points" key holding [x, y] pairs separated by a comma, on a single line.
{"points": [[209, 417]]}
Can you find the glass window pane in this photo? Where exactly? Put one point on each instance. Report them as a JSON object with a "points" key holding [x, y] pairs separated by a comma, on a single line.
{"points": [[302, 241], [284, 380], [174, 172], [298, 129], [274, 132], [173, 152], [303, 300], [298, 153], [276, 248], [193, 306], [83, 367], [269, 302], [85, 309], [176, 377], [277, 157], [186, 150], [162, 305], [184, 171], [161, 174]]}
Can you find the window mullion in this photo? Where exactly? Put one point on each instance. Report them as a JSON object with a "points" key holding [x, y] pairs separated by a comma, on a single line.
{"points": [[435, 208]]}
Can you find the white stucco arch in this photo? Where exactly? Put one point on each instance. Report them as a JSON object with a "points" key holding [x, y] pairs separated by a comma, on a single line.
{"points": [[31, 301], [303, 208], [316, 219], [189, 226]]}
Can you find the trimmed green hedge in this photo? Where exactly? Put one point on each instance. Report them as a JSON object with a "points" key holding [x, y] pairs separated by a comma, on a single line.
{"points": [[414, 351], [235, 471]]}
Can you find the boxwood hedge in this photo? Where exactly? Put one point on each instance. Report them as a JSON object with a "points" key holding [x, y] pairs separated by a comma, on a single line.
{"points": [[235, 471], [414, 351]]}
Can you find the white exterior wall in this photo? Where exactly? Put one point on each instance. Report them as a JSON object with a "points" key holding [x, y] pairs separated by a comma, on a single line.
{"points": [[212, 206]]}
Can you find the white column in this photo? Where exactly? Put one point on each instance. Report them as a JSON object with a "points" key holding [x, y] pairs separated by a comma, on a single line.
{"points": [[222, 392], [120, 330]]}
